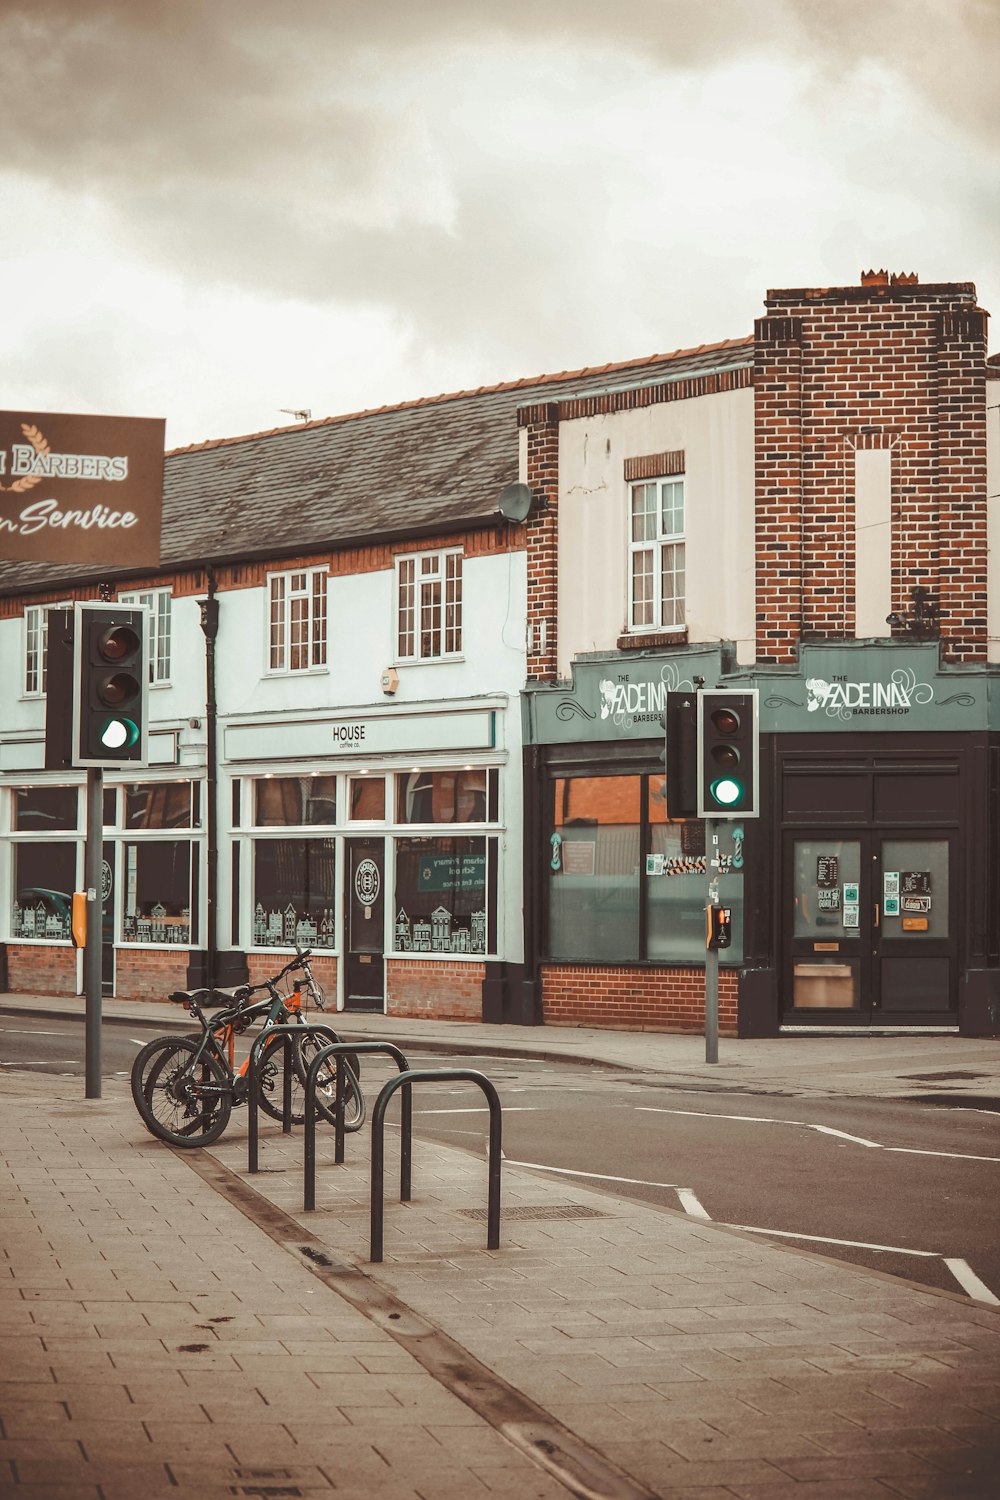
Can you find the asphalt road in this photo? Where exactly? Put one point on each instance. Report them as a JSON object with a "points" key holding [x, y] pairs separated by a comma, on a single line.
{"points": [[904, 1188]]}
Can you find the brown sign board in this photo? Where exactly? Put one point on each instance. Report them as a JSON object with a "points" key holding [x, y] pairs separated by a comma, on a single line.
{"points": [[81, 489]]}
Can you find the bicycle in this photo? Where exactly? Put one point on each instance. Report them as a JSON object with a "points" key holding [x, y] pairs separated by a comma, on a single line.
{"points": [[185, 1088]]}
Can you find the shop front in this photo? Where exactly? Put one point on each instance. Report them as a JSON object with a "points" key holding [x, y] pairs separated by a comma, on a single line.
{"points": [[865, 895], [380, 842]]}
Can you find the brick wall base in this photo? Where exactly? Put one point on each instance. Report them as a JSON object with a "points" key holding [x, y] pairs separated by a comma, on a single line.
{"points": [[434, 991], [261, 966], [635, 999], [41, 971], [150, 973]]}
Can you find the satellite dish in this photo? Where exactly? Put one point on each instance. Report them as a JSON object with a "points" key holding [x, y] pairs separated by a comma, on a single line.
{"points": [[515, 502]]}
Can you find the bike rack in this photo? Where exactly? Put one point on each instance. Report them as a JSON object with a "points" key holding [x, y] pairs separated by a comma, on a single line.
{"points": [[288, 1030], [339, 1050], [431, 1075]]}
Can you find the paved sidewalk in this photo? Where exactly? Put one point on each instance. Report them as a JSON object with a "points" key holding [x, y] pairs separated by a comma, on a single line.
{"points": [[873, 1066], [173, 1326]]}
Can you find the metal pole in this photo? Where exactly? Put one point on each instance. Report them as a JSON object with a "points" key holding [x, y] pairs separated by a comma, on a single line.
{"points": [[712, 954], [92, 952]]}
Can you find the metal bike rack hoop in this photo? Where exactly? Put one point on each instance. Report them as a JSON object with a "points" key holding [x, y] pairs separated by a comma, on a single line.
{"points": [[433, 1075], [339, 1050], [288, 1030]]}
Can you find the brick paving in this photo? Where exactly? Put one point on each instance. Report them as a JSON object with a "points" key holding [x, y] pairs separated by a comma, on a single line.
{"points": [[158, 1341]]}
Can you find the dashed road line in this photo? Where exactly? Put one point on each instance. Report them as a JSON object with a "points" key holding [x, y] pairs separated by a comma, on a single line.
{"points": [[858, 1140], [826, 1239], [969, 1281], [692, 1205], [596, 1176]]}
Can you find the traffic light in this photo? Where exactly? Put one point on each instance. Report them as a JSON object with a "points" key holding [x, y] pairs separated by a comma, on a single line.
{"points": [[680, 724], [728, 754], [111, 685]]}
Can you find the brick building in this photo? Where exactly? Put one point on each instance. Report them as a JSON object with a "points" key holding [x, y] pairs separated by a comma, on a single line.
{"points": [[805, 513]]}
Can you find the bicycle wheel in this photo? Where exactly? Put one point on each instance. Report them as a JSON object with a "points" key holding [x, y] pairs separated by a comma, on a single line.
{"points": [[272, 1082], [167, 1087], [355, 1109]]}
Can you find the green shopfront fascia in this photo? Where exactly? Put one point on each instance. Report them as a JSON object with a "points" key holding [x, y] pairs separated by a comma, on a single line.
{"points": [[865, 896]]}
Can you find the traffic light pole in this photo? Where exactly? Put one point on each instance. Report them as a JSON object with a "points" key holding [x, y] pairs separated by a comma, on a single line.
{"points": [[711, 952], [95, 928]]}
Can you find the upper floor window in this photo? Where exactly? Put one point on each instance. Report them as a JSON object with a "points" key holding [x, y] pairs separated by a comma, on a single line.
{"points": [[157, 601], [36, 647], [297, 620], [656, 554], [429, 606]]}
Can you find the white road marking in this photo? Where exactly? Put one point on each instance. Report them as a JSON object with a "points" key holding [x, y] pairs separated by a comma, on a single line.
{"points": [[955, 1155], [19, 1031], [969, 1281], [859, 1140], [691, 1204], [44, 1062], [597, 1176], [483, 1109], [825, 1239]]}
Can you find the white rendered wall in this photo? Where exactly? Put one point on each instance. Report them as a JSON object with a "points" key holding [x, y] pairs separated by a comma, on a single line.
{"points": [[716, 434]]}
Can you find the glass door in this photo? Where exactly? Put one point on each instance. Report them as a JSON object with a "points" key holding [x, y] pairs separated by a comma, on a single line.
{"points": [[364, 924], [869, 928], [827, 937], [915, 946]]}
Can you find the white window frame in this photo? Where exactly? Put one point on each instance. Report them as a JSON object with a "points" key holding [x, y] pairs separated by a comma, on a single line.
{"points": [[429, 628], [297, 621], [159, 604], [656, 551], [36, 656]]}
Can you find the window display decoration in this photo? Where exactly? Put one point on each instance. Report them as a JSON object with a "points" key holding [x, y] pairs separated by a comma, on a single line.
{"points": [[439, 934], [49, 918], [284, 928], [157, 927]]}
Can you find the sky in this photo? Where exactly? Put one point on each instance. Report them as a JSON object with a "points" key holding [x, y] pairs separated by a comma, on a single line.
{"points": [[214, 210]]}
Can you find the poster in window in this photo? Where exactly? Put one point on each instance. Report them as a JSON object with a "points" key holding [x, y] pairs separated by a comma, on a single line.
{"points": [[915, 882], [827, 870]]}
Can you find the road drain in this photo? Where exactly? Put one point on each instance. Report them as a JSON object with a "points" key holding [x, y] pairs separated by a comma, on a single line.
{"points": [[584, 1472]]}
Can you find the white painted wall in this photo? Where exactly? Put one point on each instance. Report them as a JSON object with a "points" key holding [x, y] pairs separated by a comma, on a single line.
{"points": [[716, 434]]}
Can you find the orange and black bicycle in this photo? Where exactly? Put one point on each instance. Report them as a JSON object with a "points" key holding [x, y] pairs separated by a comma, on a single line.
{"points": [[185, 1087]]}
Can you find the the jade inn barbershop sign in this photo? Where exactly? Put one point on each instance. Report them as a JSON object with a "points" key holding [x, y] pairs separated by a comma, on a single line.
{"points": [[833, 689], [80, 489]]}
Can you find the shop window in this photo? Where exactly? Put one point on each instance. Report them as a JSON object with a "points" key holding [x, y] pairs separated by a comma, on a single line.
{"points": [[43, 885], [157, 892], [295, 801], [297, 620], [627, 883], [367, 799], [465, 796], [294, 893], [594, 868], [429, 606], [445, 898], [45, 809], [656, 554], [158, 603], [166, 804]]}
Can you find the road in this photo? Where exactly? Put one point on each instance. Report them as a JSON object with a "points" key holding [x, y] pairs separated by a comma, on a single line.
{"points": [[903, 1188]]}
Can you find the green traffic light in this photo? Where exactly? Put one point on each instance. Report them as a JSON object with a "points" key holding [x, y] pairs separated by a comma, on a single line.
{"points": [[726, 791], [119, 734]]}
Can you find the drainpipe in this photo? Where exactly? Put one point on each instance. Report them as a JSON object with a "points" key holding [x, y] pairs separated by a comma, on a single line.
{"points": [[210, 625]]}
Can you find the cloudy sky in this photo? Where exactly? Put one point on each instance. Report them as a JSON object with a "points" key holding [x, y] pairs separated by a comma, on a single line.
{"points": [[214, 209]]}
